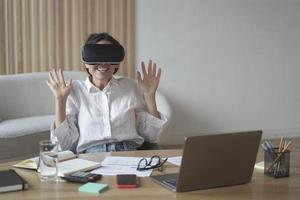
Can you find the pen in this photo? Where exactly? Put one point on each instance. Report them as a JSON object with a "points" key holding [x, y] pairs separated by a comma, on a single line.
{"points": [[268, 150], [280, 148], [270, 147]]}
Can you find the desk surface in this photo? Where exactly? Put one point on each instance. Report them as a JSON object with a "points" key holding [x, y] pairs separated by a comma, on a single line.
{"points": [[261, 187]]}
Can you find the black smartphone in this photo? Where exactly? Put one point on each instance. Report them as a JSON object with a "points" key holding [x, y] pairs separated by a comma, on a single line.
{"points": [[127, 181], [82, 177]]}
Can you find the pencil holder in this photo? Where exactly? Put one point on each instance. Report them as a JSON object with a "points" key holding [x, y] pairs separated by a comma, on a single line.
{"points": [[277, 165]]}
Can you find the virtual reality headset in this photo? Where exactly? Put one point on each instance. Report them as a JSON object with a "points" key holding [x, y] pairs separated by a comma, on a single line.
{"points": [[94, 54]]}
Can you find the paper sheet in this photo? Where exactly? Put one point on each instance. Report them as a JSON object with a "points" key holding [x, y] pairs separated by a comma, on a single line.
{"points": [[123, 161], [28, 164], [64, 167], [113, 165], [175, 160]]}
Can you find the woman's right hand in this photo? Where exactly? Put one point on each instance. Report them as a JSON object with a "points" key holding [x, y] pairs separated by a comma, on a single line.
{"points": [[58, 86]]}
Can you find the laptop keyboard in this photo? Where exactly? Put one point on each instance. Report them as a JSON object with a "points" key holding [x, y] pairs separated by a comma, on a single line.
{"points": [[171, 182]]}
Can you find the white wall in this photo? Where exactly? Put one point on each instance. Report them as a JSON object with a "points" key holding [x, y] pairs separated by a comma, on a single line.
{"points": [[227, 65]]}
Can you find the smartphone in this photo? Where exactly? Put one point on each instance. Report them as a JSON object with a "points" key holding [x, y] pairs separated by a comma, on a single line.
{"points": [[127, 181]]}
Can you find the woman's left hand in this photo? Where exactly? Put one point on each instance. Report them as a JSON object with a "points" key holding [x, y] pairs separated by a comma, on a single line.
{"points": [[149, 82]]}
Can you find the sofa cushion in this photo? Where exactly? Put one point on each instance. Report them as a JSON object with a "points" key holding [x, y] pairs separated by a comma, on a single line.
{"points": [[28, 95], [25, 126], [19, 148]]}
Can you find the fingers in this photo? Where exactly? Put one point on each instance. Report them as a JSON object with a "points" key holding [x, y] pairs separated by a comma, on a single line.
{"points": [[48, 83], [70, 83], [150, 80], [144, 69], [158, 77], [61, 77], [52, 80], [56, 77], [152, 69], [139, 77], [158, 73]]}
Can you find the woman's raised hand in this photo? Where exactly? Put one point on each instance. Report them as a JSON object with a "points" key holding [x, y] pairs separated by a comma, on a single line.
{"points": [[57, 84], [149, 82]]}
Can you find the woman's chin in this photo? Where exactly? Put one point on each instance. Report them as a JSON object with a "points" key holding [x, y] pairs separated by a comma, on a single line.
{"points": [[103, 77]]}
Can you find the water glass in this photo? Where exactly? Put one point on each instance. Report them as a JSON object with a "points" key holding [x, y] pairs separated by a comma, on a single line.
{"points": [[47, 167]]}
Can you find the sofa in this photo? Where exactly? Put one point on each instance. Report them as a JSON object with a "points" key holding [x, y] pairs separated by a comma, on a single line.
{"points": [[26, 112]]}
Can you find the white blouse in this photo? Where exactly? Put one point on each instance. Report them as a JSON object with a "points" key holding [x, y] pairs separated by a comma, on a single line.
{"points": [[117, 113]]}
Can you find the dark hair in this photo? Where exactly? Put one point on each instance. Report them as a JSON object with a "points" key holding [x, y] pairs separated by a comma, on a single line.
{"points": [[94, 38]]}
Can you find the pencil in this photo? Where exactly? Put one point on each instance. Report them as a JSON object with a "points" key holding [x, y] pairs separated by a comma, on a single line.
{"points": [[280, 148], [280, 144], [287, 146]]}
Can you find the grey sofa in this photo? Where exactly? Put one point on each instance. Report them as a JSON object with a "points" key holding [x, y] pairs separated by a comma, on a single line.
{"points": [[26, 112]]}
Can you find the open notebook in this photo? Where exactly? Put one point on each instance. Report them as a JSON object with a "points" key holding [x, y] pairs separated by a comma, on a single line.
{"points": [[67, 163]]}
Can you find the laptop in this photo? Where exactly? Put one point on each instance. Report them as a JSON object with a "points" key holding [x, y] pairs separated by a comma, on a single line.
{"points": [[210, 161]]}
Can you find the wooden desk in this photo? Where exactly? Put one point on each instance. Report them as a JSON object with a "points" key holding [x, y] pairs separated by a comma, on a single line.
{"points": [[261, 187]]}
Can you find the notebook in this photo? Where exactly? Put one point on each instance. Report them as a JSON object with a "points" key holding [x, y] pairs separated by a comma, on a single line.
{"points": [[210, 161], [32, 163], [74, 165], [11, 181], [67, 163]]}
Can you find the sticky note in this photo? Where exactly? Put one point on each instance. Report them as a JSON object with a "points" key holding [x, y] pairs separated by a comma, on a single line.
{"points": [[93, 187]]}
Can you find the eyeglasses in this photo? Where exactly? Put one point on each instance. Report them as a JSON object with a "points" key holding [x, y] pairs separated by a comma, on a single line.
{"points": [[153, 163]]}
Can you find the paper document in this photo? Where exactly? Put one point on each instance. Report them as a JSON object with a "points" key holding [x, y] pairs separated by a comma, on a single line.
{"points": [[113, 165], [114, 170], [68, 163], [32, 163], [175, 160], [123, 161]]}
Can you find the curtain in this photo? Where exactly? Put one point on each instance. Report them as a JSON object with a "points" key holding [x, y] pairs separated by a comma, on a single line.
{"points": [[38, 35]]}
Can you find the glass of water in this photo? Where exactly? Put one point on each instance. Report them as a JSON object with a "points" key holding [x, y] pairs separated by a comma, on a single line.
{"points": [[47, 167]]}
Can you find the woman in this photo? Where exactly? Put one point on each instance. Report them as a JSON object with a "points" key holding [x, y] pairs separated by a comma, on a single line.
{"points": [[105, 113]]}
